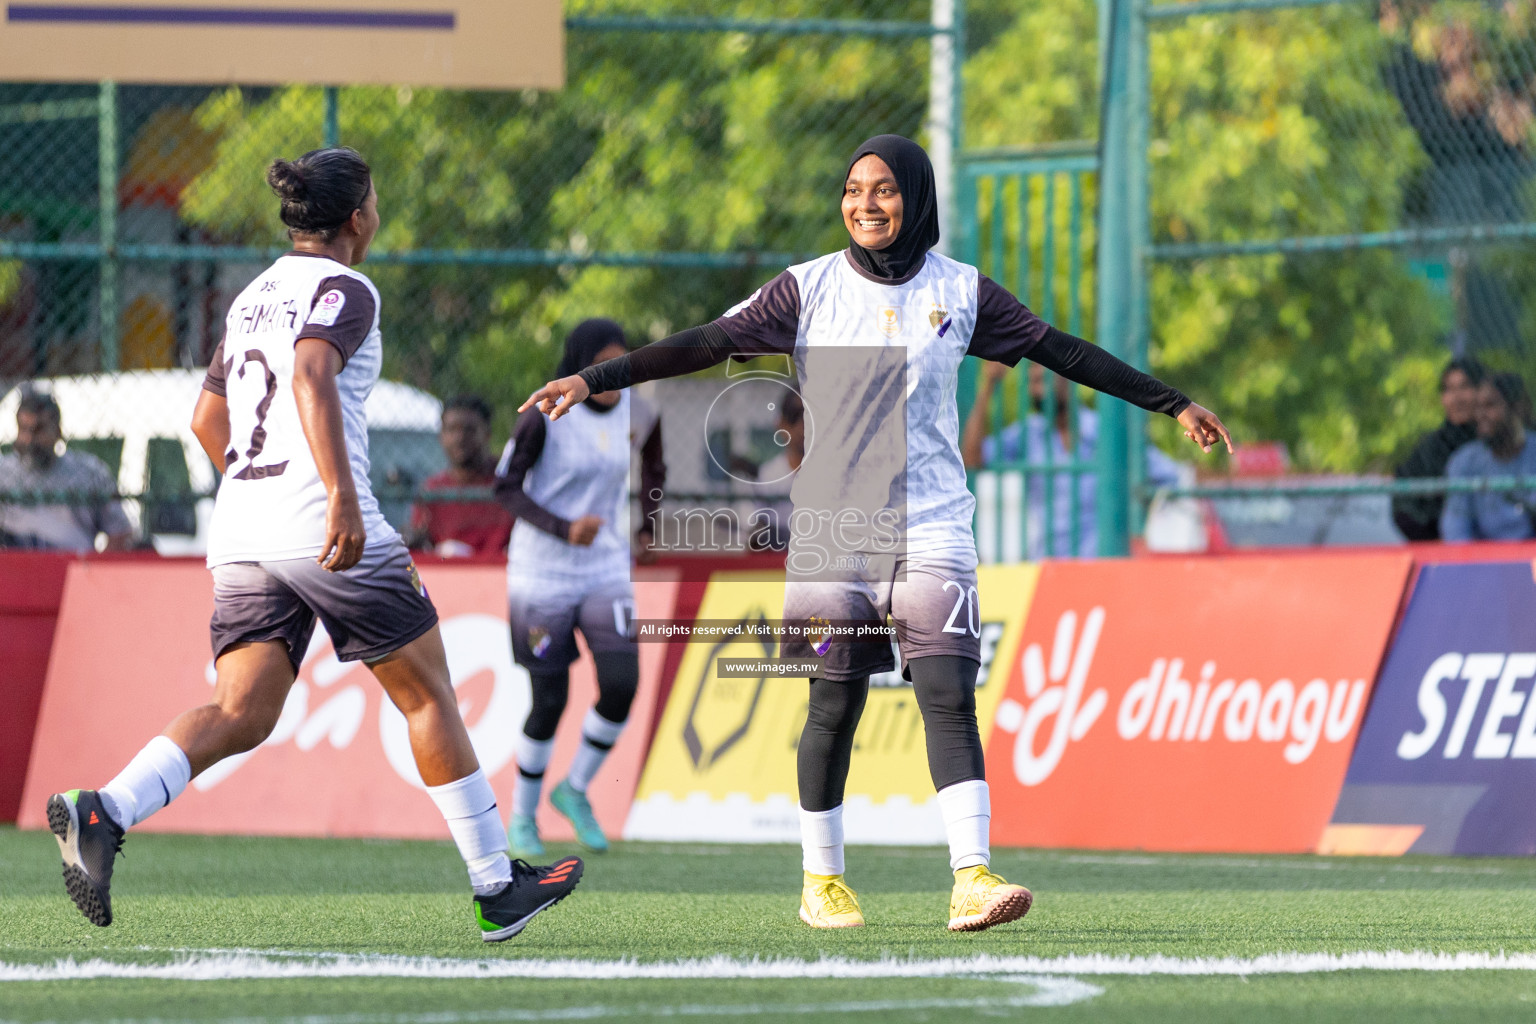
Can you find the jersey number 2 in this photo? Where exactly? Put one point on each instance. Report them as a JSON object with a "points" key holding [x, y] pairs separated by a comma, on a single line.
{"points": [[251, 471]]}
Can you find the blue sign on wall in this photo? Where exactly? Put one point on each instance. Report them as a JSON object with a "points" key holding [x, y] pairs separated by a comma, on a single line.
{"points": [[1449, 741]]}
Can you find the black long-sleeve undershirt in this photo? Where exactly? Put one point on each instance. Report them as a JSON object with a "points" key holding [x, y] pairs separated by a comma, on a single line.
{"points": [[698, 348], [1082, 363]]}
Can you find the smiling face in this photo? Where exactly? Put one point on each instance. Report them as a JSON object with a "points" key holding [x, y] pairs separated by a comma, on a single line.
{"points": [[872, 205]]}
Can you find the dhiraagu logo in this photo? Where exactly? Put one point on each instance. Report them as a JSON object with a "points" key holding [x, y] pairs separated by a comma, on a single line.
{"points": [[1163, 706]]}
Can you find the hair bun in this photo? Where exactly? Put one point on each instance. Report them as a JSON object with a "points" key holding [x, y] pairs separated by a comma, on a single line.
{"points": [[287, 180]]}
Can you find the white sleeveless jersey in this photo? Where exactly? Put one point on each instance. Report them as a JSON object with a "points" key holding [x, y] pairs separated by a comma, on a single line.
{"points": [[271, 503], [579, 466]]}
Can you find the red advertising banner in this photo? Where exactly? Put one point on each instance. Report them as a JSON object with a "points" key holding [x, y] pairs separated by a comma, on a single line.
{"points": [[1189, 704], [131, 652]]}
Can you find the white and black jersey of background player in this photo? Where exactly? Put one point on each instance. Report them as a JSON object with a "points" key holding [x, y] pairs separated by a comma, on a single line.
{"points": [[877, 333], [568, 569]]}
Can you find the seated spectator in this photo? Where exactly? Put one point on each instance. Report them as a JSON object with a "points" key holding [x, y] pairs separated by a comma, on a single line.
{"points": [[1030, 441], [1418, 515], [459, 529], [37, 467], [1503, 448]]}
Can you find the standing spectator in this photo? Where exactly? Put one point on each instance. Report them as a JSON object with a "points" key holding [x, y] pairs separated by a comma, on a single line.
{"points": [[458, 529], [1503, 448], [81, 480], [1418, 515], [1031, 441]]}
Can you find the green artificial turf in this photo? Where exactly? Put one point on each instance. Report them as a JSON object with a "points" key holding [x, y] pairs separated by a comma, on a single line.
{"points": [[175, 896]]}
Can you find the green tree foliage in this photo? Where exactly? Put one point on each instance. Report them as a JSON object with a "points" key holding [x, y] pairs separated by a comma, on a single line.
{"points": [[661, 142], [1264, 126]]}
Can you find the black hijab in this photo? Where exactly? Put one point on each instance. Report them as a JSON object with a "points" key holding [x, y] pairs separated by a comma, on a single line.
{"points": [[584, 343], [920, 209]]}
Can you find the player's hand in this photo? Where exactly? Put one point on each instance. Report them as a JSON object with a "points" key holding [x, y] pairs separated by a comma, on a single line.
{"points": [[1204, 427], [584, 530], [645, 550], [344, 533], [558, 397]]}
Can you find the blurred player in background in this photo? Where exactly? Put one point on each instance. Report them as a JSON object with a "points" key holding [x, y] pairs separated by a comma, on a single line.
{"points": [[462, 529], [568, 569], [887, 290], [297, 534]]}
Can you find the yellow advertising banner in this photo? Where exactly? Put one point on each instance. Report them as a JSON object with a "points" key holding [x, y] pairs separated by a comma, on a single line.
{"points": [[462, 44], [722, 765]]}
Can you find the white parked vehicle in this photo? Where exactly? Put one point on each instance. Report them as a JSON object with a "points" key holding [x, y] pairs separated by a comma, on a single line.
{"points": [[140, 423]]}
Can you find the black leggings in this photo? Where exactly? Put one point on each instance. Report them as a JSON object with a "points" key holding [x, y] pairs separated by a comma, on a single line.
{"points": [[618, 675], [945, 688]]}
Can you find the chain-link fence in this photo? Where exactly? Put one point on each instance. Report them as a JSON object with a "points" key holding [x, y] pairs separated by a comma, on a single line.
{"points": [[1305, 209], [1340, 200], [1295, 210], [695, 150]]}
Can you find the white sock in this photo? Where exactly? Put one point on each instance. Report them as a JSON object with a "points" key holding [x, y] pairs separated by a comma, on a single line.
{"points": [[821, 841], [156, 776], [469, 806], [967, 810], [532, 759], [598, 735]]}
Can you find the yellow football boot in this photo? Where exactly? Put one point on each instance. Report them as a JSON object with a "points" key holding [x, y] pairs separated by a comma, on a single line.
{"points": [[827, 902], [982, 899]]}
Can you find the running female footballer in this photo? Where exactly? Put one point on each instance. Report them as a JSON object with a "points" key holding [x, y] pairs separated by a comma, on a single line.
{"points": [[296, 535]]}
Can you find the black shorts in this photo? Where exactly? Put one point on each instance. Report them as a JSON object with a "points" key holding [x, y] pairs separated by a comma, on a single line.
{"points": [[370, 610], [544, 625], [933, 606]]}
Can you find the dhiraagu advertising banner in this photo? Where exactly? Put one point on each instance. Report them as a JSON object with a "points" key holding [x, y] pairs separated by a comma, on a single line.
{"points": [[722, 764]]}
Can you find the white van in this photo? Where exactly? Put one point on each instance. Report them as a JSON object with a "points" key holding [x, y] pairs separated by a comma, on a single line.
{"points": [[139, 422]]}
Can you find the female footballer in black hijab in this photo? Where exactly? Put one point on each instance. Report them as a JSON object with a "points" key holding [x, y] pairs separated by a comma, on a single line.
{"points": [[878, 332]]}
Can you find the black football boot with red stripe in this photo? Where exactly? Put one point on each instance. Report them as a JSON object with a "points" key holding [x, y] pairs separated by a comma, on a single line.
{"points": [[89, 841], [504, 913]]}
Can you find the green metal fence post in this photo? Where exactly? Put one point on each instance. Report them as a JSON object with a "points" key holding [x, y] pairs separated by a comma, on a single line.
{"points": [[106, 185], [1141, 260], [1122, 212], [332, 127]]}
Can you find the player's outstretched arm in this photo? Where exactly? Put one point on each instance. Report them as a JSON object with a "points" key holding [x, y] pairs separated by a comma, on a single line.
{"points": [[677, 355]]}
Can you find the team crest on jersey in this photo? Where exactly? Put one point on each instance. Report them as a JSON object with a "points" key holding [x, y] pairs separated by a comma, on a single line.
{"points": [[538, 641], [819, 632], [888, 320], [937, 315], [328, 308]]}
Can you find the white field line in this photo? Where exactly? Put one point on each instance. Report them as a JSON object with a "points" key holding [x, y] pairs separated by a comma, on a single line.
{"points": [[222, 965], [1294, 862], [1041, 991]]}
